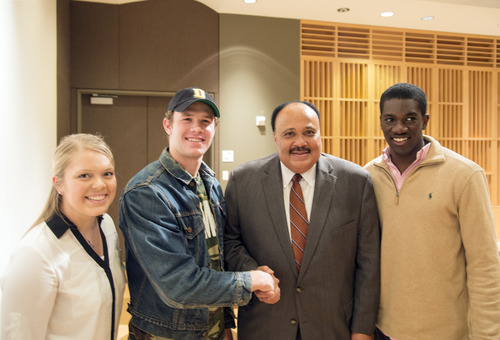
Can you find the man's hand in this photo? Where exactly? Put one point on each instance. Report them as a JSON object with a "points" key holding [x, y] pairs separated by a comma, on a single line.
{"points": [[262, 281], [228, 335], [269, 297], [361, 336]]}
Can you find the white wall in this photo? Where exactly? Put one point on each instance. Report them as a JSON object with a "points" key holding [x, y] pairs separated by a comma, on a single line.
{"points": [[27, 114]]}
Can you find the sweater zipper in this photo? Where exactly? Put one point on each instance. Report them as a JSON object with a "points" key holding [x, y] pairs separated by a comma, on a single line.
{"points": [[396, 198]]}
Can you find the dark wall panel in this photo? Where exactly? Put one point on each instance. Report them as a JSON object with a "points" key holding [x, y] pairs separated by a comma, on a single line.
{"points": [[155, 45], [168, 45], [94, 45]]}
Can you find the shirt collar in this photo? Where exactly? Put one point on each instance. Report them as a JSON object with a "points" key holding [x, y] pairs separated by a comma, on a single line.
{"points": [[421, 154], [59, 224], [309, 176], [178, 171]]}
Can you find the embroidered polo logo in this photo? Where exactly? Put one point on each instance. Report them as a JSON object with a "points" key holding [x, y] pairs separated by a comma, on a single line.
{"points": [[430, 195]]}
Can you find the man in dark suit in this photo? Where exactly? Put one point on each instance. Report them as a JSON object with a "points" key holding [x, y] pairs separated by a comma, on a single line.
{"points": [[329, 287]]}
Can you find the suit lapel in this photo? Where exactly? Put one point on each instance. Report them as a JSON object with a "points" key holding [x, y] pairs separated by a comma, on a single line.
{"points": [[272, 186], [324, 193]]}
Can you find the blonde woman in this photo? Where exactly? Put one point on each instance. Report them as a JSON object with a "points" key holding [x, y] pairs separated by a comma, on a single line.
{"points": [[65, 279]]}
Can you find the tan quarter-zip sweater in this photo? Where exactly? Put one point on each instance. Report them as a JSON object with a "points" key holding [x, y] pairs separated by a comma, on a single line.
{"points": [[440, 269]]}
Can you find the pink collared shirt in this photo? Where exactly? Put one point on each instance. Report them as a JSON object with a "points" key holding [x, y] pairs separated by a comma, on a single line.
{"points": [[398, 176]]}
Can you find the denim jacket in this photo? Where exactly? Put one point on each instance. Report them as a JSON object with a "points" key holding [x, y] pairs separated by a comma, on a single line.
{"points": [[171, 284]]}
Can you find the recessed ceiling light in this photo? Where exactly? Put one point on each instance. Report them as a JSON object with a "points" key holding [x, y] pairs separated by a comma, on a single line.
{"points": [[249, 1], [343, 10], [430, 17], [387, 14], [498, 25]]}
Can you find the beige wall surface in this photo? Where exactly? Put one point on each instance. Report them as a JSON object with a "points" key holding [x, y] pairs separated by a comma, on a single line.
{"points": [[259, 69]]}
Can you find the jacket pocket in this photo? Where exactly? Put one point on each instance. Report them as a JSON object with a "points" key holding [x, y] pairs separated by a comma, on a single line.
{"points": [[193, 228]]}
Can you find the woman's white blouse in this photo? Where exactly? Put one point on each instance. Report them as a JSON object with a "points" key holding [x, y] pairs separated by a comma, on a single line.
{"points": [[57, 288]]}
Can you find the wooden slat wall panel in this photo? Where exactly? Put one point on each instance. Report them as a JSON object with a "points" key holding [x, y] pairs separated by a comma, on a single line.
{"points": [[387, 45], [422, 77], [354, 80], [345, 68], [327, 118], [385, 75], [324, 39], [480, 83], [318, 40], [447, 122], [353, 42], [320, 79], [498, 54], [450, 50], [495, 180], [480, 52], [419, 47]]}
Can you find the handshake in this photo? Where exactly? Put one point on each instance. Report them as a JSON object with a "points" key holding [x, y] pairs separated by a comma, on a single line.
{"points": [[265, 285]]}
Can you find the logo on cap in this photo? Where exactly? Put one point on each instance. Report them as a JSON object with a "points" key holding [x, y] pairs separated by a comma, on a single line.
{"points": [[199, 93]]}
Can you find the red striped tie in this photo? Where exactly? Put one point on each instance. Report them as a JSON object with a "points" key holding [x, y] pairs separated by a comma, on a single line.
{"points": [[298, 220]]}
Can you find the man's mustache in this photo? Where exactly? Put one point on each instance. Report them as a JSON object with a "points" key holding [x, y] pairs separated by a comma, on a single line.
{"points": [[300, 149]]}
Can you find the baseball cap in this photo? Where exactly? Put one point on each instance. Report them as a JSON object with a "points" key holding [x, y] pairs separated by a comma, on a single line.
{"points": [[185, 97]]}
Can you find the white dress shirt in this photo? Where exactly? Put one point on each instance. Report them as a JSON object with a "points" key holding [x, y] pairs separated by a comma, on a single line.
{"points": [[307, 186], [54, 288]]}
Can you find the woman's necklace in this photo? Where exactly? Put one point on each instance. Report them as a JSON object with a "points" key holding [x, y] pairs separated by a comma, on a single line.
{"points": [[89, 240], [91, 244]]}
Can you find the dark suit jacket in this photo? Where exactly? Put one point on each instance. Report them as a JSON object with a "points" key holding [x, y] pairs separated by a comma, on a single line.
{"points": [[337, 289]]}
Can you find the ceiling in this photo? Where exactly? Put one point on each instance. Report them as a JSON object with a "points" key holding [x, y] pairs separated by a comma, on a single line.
{"points": [[461, 16]]}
